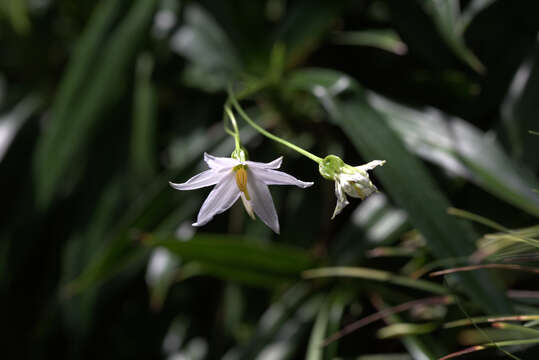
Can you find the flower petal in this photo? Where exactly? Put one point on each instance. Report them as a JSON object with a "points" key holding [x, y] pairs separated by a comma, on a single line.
{"points": [[275, 164], [371, 165], [360, 189], [247, 205], [274, 177], [205, 178], [262, 202], [220, 199], [217, 163], [342, 201]]}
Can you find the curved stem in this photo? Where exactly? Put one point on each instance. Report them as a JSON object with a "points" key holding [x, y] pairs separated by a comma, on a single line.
{"points": [[236, 133], [246, 117]]}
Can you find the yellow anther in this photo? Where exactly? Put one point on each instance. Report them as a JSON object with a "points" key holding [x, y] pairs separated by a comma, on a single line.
{"points": [[241, 180]]}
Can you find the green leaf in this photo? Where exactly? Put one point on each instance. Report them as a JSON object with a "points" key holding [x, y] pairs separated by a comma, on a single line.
{"points": [[11, 122], [239, 253], [315, 349], [73, 81], [421, 347], [66, 143], [304, 26], [404, 329], [474, 7], [281, 325], [213, 59], [17, 12], [519, 111], [446, 16], [461, 148], [376, 275], [157, 208], [387, 40], [327, 322], [379, 222], [144, 121], [404, 178]]}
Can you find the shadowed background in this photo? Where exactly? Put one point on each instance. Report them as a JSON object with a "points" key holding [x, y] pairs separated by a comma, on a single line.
{"points": [[103, 102]]}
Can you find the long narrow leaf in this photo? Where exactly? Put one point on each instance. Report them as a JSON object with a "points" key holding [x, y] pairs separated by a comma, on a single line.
{"points": [[103, 89]]}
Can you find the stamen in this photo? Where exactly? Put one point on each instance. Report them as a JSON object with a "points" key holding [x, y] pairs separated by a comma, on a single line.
{"points": [[241, 180]]}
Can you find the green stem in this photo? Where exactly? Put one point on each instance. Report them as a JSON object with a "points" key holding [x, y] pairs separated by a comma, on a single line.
{"points": [[246, 117], [236, 133]]}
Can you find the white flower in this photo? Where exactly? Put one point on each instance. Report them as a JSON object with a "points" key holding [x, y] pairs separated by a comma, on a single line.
{"points": [[355, 182], [234, 179]]}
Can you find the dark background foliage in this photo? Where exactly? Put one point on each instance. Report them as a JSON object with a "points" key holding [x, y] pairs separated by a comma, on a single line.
{"points": [[103, 102]]}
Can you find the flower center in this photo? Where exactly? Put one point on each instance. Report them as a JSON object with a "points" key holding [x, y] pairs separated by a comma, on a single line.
{"points": [[241, 179]]}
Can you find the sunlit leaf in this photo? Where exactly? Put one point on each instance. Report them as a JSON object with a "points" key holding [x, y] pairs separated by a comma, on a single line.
{"points": [[462, 149]]}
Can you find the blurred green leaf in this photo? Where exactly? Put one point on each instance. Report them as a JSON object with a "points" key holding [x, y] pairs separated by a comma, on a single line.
{"points": [[375, 275], [153, 209], [287, 340], [327, 322], [73, 81], [473, 8], [11, 122], [144, 121], [17, 12], [238, 252], [305, 25], [419, 347], [461, 148], [280, 326], [380, 223], [447, 16], [340, 300], [68, 139], [387, 40], [214, 61], [415, 191], [161, 273], [315, 349], [519, 111], [404, 329]]}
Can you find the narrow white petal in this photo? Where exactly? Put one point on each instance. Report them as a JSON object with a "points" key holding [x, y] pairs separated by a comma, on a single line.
{"points": [[220, 199], [342, 201], [275, 164], [274, 177], [215, 162], [205, 178], [262, 202], [371, 165]]}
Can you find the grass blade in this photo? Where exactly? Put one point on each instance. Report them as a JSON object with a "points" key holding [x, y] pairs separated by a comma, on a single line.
{"points": [[375, 275]]}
